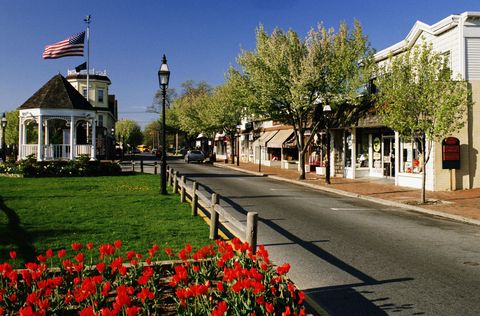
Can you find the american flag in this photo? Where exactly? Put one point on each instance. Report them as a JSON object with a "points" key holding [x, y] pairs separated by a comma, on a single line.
{"points": [[72, 46]]}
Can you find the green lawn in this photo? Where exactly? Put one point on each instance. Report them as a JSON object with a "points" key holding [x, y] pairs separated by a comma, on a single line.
{"points": [[41, 213]]}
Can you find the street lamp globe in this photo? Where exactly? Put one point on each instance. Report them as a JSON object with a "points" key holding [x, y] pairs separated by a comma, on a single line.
{"points": [[4, 121], [164, 73]]}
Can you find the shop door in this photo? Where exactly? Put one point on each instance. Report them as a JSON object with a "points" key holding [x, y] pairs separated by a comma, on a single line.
{"points": [[389, 156]]}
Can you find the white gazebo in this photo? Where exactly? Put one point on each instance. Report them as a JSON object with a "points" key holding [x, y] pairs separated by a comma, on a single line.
{"points": [[57, 123]]}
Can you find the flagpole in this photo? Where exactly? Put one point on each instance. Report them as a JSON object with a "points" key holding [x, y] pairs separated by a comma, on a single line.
{"points": [[87, 20]]}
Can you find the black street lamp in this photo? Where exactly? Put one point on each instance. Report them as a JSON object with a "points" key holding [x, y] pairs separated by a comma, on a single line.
{"points": [[163, 78], [327, 112], [4, 149], [239, 130]]}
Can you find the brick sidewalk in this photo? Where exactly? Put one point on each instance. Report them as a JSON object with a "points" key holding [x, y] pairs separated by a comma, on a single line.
{"points": [[464, 203]]}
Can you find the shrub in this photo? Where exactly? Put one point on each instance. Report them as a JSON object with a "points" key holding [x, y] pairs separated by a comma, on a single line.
{"points": [[226, 280], [30, 167]]}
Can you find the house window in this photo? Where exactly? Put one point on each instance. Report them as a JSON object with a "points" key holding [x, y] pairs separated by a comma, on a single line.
{"points": [[411, 156], [100, 95], [84, 92], [100, 120]]}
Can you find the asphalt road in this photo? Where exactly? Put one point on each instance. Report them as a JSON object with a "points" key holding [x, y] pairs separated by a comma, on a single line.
{"points": [[356, 257]]}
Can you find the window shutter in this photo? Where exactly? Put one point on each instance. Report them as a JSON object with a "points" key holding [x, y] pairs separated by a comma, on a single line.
{"points": [[473, 58]]}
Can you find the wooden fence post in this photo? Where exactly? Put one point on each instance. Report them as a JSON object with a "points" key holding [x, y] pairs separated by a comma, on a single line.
{"points": [[194, 198], [169, 176], [214, 217], [175, 182], [155, 171], [182, 189], [133, 166], [141, 165], [251, 234]]}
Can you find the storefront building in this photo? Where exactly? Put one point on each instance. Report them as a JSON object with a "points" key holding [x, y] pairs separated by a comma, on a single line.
{"points": [[370, 149]]}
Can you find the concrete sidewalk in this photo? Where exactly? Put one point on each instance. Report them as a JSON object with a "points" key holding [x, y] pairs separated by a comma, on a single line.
{"points": [[461, 205]]}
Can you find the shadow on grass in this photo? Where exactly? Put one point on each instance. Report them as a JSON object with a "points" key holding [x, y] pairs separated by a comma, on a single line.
{"points": [[15, 234]]}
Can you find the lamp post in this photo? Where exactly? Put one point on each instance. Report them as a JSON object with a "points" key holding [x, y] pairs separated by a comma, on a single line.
{"points": [[113, 147], [4, 125], [163, 78], [327, 111], [239, 129]]}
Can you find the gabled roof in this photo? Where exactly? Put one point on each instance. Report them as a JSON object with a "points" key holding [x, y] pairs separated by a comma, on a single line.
{"points": [[420, 27], [57, 93]]}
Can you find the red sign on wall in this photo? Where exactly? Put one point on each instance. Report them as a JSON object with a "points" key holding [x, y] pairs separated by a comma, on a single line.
{"points": [[451, 153]]}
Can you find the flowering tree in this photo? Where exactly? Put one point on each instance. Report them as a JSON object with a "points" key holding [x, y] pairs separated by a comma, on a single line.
{"points": [[419, 98], [291, 79]]}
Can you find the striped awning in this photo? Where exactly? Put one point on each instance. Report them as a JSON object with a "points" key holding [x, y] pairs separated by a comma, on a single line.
{"points": [[264, 138], [279, 138]]}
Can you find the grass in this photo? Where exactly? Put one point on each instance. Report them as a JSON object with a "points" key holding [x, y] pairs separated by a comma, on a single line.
{"points": [[41, 213]]}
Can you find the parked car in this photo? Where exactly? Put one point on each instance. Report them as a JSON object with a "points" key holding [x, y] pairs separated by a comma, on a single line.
{"points": [[194, 155], [143, 148]]}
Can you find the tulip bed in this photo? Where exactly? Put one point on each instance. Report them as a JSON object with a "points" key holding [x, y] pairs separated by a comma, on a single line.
{"points": [[225, 279]]}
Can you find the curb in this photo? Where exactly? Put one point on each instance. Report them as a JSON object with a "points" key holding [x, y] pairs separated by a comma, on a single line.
{"points": [[413, 208]]}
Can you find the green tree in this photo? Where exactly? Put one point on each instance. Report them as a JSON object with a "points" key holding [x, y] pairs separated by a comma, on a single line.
{"points": [[11, 131], [226, 108], [188, 108], [291, 79], [152, 134], [128, 132], [420, 99]]}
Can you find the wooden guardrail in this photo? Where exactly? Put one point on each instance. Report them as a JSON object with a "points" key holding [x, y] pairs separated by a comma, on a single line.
{"points": [[133, 165], [211, 204]]}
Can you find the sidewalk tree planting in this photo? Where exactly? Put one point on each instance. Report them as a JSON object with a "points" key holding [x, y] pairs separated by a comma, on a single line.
{"points": [[419, 98], [292, 79], [227, 107]]}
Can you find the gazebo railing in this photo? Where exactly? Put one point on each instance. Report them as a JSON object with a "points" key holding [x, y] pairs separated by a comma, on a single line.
{"points": [[29, 149], [55, 151]]}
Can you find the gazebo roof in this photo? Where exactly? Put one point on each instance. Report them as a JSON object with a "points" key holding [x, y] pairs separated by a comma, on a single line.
{"points": [[57, 93]]}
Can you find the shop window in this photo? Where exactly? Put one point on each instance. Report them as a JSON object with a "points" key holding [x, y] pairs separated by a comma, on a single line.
{"points": [[377, 148], [362, 148], [348, 149], [411, 156]]}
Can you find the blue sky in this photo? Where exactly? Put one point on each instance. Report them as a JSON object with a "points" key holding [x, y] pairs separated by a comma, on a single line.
{"points": [[201, 38]]}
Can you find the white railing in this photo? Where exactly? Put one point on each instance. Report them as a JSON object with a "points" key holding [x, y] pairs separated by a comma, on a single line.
{"points": [[29, 149], [83, 150], [55, 151], [84, 72]]}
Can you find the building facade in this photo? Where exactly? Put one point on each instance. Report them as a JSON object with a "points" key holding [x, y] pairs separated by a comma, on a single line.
{"points": [[371, 149]]}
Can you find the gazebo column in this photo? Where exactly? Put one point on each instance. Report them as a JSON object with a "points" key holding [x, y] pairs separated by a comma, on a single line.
{"points": [[20, 138], [72, 130], [47, 134], [48, 154], [93, 154], [40, 138]]}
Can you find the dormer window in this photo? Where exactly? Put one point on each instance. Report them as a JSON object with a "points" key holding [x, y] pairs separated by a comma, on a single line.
{"points": [[100, 96]]}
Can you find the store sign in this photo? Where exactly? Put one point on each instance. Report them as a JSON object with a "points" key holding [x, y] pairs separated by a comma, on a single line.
{"points": [[377, 144], [451, 153]]}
